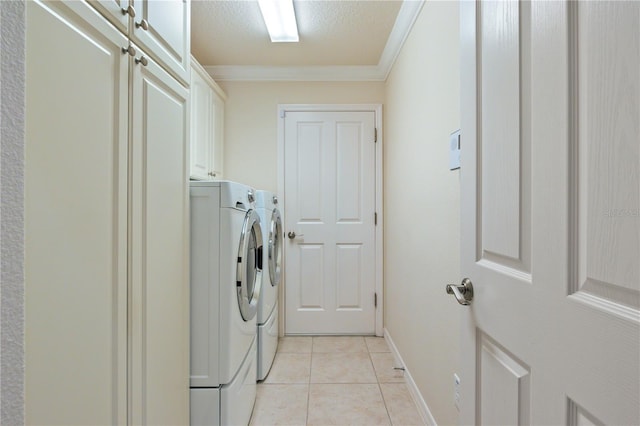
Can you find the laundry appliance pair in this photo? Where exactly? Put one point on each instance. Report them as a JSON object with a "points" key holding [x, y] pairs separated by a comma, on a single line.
{"points": [[235, 270], [226, 276]]}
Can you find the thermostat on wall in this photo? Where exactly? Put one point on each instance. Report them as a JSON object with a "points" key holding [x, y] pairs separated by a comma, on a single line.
{"points": [[454, 150]]}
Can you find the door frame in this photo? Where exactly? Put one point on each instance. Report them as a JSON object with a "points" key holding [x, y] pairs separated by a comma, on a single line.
{"points": [[379, 234]]}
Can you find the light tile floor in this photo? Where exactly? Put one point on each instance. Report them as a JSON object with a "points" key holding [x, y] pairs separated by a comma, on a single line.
{"points": [[334, 380]]}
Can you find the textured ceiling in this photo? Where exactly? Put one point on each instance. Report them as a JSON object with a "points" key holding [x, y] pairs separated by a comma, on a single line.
{"points": [[332, 32]]}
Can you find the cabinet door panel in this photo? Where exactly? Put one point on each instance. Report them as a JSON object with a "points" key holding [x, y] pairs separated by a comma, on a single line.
{"points": [[218, 136], [167, 37], [75, 217], [201, 126], [112, 10], [159, 250]]}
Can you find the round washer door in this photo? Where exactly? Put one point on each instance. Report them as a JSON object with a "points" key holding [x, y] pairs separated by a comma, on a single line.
{"points": [[275, 247], [249, 270]]}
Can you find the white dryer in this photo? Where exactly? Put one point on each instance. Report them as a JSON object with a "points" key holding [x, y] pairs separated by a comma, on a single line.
{"points": [[226, 276], [267, 206]]}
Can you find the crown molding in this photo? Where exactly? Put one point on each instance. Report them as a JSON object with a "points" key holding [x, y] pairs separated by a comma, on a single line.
{"points": [[312, 73], [407, 16]]}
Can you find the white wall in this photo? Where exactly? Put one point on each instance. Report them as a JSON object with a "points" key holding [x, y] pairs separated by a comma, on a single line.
{"points": [[12, 103], [422, 205], [251, 134]]}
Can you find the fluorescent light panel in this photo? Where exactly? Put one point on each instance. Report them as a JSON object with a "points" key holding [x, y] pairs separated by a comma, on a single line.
{"points": [[280, 19]]}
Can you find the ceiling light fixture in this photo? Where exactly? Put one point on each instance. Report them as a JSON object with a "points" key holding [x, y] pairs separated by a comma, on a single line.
{"points": [[280, 19]]}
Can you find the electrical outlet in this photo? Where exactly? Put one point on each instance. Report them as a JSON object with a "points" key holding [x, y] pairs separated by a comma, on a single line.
{"points": [[456, 391]]}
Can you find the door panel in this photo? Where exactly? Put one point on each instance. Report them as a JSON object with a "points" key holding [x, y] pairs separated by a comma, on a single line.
{"points": [[330, 204], [166, 38], [159, 249], [500, 124], [311, 276], [348, 173], [507, 380], [310, 158], [201, 126], [75, 217], [348, 280], [504, 139], [607, 188], [550, 193]]}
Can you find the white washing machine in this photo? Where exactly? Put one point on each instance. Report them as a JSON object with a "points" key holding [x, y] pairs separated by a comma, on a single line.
{"points": [[267, 206], [226, 276]]}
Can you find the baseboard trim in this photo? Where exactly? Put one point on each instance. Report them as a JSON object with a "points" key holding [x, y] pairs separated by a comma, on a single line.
{"points": [[423, 408]]}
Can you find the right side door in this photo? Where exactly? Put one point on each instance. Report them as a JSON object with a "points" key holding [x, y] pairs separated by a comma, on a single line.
{"points": [[550, 190]]}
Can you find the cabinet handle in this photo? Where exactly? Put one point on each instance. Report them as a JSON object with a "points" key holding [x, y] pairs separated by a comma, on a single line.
{"points": [[130, 50], [129, 11], [143, 24], [212, 174], [142, 60]]}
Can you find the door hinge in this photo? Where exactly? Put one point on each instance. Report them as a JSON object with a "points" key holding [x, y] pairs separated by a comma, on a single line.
{"points": [[375, 219], [375, 135], [375, 300]]}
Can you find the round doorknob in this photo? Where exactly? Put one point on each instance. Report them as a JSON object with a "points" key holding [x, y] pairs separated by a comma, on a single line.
{"points": [[291, 235]]}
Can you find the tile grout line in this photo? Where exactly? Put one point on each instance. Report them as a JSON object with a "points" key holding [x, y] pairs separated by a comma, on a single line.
{"points": [[384, 401], [309, 383]]}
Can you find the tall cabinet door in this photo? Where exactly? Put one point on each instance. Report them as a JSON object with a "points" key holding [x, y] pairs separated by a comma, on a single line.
{"points": [[218, 136], [159, 248], [162, 27], [75, 217], [201, 126]]}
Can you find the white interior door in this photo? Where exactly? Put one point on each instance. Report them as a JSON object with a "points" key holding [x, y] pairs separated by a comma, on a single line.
{"points": [[550, 200], [329, 206]]}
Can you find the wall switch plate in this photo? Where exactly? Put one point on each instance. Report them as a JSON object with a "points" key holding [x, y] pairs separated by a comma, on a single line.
{"points": [[456, 391], [454, 150]]}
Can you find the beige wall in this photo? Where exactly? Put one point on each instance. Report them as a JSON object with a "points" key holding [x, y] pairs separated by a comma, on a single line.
{"points": [[422, 205], [250, 149]]}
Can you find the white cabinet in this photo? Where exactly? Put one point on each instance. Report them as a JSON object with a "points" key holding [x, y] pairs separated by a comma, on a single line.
{"points": [[106, 226], [218, 133], [159, 236], [207, 125], [161, 27], [201, 126], [75, 218]]}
